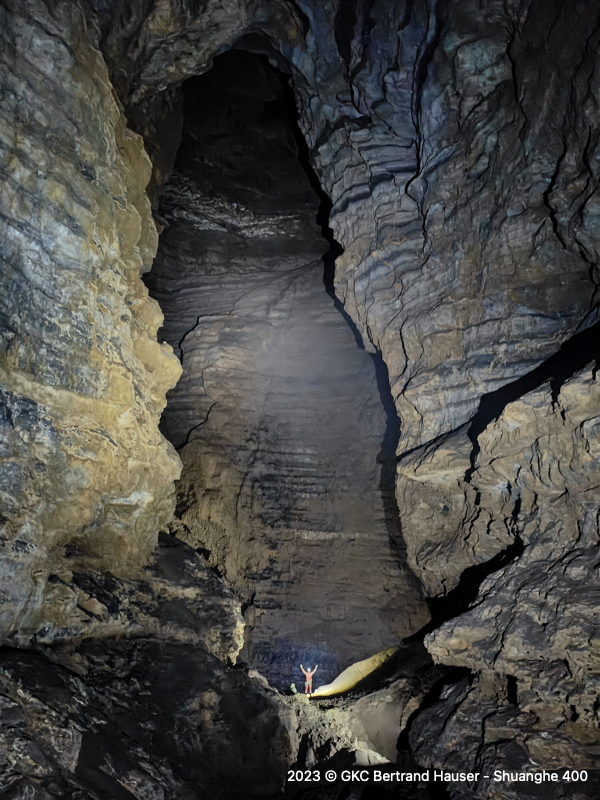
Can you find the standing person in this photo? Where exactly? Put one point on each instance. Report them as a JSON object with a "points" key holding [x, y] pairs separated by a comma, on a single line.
{"points": [[308, 674]]}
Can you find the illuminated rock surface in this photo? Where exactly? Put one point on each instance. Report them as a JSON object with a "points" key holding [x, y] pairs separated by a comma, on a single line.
{"points": [[86, 477], [459, 147], [278, 417]]}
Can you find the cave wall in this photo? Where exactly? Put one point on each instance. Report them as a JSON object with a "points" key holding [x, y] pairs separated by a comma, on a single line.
{"points": [[464, 170], [459, 144], [277, 417], [532, 627], [463, 193], [488, 262], [86, 476]]}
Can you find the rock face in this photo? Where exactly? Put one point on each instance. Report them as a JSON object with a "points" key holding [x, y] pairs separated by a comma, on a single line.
{"points": [[155, 715], [506, 740], [454, 195], [86, 477], [458, 143], [534, 624], [106, 727], [278, 417]]}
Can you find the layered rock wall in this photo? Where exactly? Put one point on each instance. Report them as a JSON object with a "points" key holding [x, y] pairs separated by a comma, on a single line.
{"points": [[533, 626], [86, 476], [459, 145], [460, 151], [465, 194], [278, 415]]}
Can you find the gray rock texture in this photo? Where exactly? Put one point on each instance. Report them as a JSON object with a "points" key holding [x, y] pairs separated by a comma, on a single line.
{"points": [[278, 416], [459, 144], [506, 745], [156, 720], [535, 620]]}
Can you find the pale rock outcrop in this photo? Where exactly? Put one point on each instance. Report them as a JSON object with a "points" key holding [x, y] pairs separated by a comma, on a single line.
{"points": [[87, 478]]}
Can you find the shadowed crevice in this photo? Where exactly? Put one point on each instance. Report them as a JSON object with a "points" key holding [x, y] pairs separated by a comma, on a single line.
{"points": [[574, 354], [437, 790], [459, 599], [343, 27], [325, 204], [391, 435]]}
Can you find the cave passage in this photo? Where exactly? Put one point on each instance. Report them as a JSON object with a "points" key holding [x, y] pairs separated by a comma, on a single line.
{"points": [[278, 416]]}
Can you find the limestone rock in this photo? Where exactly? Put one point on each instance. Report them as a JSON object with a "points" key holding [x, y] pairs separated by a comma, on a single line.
{"points": [[535, 619], [278, 414], [474, 727], [125, 723], [459, 146], [86, 477]]}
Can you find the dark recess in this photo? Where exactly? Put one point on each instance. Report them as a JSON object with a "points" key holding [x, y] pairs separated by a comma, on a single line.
{"points": [[458, 600], [345, 22], [436, 790], [512, 690], [574, 354], [325, 204]]}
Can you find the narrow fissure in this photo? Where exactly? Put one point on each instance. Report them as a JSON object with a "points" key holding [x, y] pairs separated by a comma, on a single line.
{"points": [[573, 355], [459, 599]]}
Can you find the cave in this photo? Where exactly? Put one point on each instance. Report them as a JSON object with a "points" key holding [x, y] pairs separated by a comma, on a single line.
{"points": [[277, 417], [299, 334]]}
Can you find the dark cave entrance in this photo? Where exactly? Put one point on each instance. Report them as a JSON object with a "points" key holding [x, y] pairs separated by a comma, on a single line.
{"points": [[241, 143], [283, 421]]}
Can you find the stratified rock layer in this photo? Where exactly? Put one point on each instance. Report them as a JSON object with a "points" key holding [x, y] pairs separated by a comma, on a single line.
{"points": [[278, 412], [459, 145], [535, 621], [461, 153], [155, 714], [86, 478]]}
